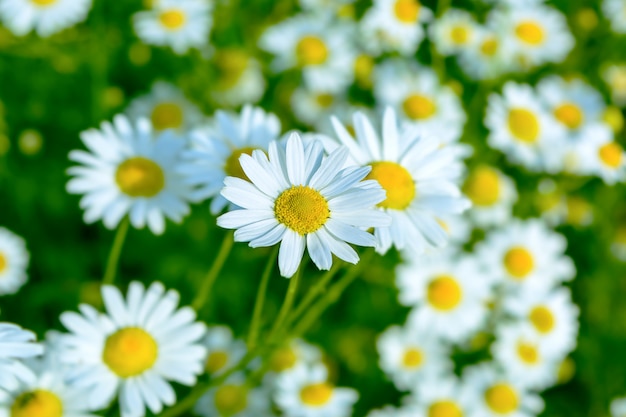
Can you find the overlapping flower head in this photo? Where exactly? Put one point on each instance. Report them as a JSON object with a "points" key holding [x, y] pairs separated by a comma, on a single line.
{"points": [[46, 17]]}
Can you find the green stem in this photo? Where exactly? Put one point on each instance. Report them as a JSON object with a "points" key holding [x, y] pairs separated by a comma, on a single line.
{"points": [[260, 299], [116, 250], [211, 276], [287, 304]]}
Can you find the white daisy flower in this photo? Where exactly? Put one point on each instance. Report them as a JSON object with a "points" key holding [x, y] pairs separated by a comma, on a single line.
{"points": [[46, 17], [234, 398], [615, 11], [417, 174], [16, 344], [292, 355], [313, 107], [486, 58], [306, 392], [166, 107], [224, 351], [408, 355], [240, 78], [140, 344], [601, 155], [618, 407], [493, 195], [299, 198], [215, 151], [129, 170], [14, 259], [615, 78], [180, 24], [453, 32], [440, 396]]}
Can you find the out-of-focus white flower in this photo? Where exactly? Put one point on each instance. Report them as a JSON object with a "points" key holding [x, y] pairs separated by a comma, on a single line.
{"points": [[453, 32], [13, 262], [493, 195], [46, 17]]}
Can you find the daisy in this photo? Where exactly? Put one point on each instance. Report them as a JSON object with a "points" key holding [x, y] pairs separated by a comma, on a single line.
{"points": [[618, 407], [46, 17], [224, 351], [180, 24], [134, 349], [615, 11], [312, 107], [417, 174], [493, 195], [13, 262], [16, 344], [239, 78], [130, 170], [486, 58], [215, 151], [299, 198], [234, 398], [439, 396], [453, 32], [306, 392], [292, 355], [615, 77], [602, 156]]}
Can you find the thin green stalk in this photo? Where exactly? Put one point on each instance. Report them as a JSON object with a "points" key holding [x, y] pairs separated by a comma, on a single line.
{"points": [[218, 263], [260, 299], [287, 304], [116, 250]]}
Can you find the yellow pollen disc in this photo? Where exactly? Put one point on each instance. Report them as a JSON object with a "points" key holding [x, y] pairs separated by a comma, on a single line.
{"points": [[412, 358], [231, 399], [173, 19], [363, 68], [528, 353], [167, 116], [302, 209], [460, 35], [316, 395], [38, 403], [283, 359], [524, 125], [445, 408], [396, 181], [613, 117], [483, 186], [43, 3], [311, 50], [489, 47], [518, 262], [418, 107], [502, 398], [130, 352], [569, 114], [231, 64], [3, 263], [444, 293], [140, 177], [611, 154], [216, 361], [324, 100], [407, 11], [233, 168], [542, 318], [530, 32]]}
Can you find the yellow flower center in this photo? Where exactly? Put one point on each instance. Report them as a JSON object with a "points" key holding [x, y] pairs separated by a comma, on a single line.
{"points": [[283, 359], [613, 117], [311, 50], [542, 318], [173, 19], [3, 263], [444, 293], [231, 64], [233, 168], [316, 395], [216, 361], [502, 398], [483, 186], [324, 100], [363, 68], [302, 209], [528, 353], [130, 352], [518, 262], [444, 408], [43, 3], [231, 399], [140, 177], [37, 403], [396, 181], [611, 154], [407, 11], [524, 125], [530, 32], [460, 35], [412, 358], [419, 107], [569, 114], [167, 116], [489, 47]]}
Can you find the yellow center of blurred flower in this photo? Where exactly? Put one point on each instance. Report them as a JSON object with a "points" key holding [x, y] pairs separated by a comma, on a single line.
{"points": [[231, 399], [502, 398], [444, 293], [542, 318], [518, 262], [311, 50], [43, 3], [302, 209], [324, 100], [528, 353], [613, 117], [283, 359], [167, 116], [396, 181], [530, 32], [407, 11], [483, 186], [363, 68], [445, 408], [316, 395], [216, 361], [412, 358], [3, 263], [489, 47], [460, 35], [524, 125], [233, 168], [231, 64], [418, 107], [173, 19], [140, 177], [569, 114], [130, 352], [611, 154], [37, 403]]}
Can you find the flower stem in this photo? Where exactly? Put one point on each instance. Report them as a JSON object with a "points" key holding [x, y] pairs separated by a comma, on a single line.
{"points": [[260, 299], [218, 263], [116, 250], [287, 304]]}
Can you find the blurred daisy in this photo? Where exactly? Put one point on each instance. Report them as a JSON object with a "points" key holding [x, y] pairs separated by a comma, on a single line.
{"points": [[603, 156], [180, 24], [341, 8], [485, 58], [417, 174], [439, 396], [129, 170], [618, 245], [295, 353], [618, 407], [615, 11], [301, 199], [615, 78], [215, 151], [134, 349], [166, 107], [453, 32], [16, 344], [493, 195], [239, 78], [234, 398], [306, 392], [13, 262], [45, 17], [224, 351], [313, 107]]}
